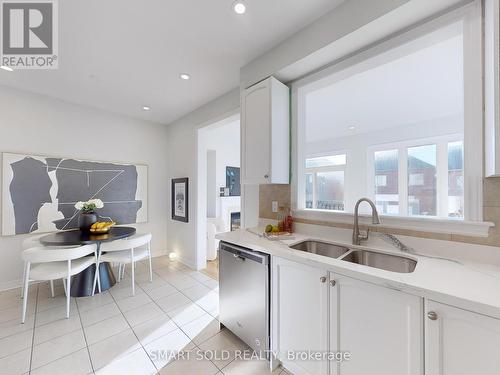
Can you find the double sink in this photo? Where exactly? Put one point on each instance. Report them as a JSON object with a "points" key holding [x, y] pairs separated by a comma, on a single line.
{"points": [[387, 262]]}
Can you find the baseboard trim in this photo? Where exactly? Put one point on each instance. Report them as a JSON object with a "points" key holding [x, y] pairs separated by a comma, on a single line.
{"points": [[187, 263], [8, 285], [160, 253]]}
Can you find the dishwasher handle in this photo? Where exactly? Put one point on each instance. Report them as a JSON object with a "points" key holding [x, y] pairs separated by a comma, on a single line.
{"points": [[243, 254], [237, 256]]}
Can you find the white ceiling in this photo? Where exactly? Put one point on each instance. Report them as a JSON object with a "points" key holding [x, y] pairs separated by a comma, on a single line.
{"points": [[119, 55]]}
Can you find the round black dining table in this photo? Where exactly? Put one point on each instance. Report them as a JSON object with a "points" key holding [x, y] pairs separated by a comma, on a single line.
{"points": [[81, 284]]}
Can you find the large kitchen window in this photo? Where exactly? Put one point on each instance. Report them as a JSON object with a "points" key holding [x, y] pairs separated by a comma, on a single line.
{"points": [[419, 178], [395, 123], [325, 182]]}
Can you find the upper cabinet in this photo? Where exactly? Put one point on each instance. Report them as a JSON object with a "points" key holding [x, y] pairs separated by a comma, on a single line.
{"points": [[492, 87], [265, 133]]}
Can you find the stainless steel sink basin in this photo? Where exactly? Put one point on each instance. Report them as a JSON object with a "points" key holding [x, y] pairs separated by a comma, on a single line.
{"points": [[321, 248], [383, 261]]}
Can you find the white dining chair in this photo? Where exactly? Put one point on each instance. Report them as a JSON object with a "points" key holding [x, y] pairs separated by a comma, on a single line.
{"points": [[126, 251], [34, 241], [52, 263], [28, 243]]}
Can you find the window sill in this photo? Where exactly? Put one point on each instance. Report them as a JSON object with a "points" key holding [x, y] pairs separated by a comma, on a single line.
{"points": [[431, 225]]}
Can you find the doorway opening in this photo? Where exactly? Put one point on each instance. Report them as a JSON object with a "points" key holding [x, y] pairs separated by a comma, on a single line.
{"points": [[218, 188]]}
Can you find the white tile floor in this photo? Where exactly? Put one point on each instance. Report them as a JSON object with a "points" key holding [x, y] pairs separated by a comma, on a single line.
{"points": [[115, 333]]}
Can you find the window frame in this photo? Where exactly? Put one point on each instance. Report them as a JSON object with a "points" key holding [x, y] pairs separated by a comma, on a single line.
{"points": [[330, 168], [471, 17], [441, 143]]}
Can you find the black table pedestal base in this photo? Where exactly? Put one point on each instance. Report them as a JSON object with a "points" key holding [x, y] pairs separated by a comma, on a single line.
{"points": [[81, 284]]}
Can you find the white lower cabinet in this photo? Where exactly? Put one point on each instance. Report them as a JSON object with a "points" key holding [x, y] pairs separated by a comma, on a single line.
{"points": [[460, 342], [385, 331], [300, 315], [381, 328]]}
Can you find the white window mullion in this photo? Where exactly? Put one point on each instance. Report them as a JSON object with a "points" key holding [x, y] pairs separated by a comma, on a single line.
{"points": [[370, 168], [473, 115], [442, 179], [314, 190], [403, 180], [347, 190]]}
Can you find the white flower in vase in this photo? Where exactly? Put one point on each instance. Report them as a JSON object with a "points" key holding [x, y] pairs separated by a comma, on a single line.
{"points": [[90, 206], [96, 202]]}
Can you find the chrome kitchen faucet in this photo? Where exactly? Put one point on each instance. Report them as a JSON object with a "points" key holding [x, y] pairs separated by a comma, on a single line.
{"points": [[356, 236]]}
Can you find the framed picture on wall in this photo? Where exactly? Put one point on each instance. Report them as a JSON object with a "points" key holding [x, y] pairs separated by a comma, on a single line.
{"points": [[39, 192], [233, 181], [180, 199]]}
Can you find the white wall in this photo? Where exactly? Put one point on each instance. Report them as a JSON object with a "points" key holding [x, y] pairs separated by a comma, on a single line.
{"points": [[40, 125], [222, 138], [225, 140], [182, 154], [211, 182]]}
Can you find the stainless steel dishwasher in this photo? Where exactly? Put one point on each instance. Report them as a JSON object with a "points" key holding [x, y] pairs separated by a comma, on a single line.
{"points": [[244, 295]]}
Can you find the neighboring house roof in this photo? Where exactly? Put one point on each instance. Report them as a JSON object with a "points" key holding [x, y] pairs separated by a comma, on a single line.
{"points": [[385, 164], [416, 163], [391, 164], [455, 161]]}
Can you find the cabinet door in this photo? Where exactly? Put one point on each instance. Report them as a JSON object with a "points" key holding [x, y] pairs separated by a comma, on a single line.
{"points": [[381, 328], [300, 319], [459, 342], [256, 133]]}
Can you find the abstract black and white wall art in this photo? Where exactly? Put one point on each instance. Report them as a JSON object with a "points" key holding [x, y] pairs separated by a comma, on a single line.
{"points": [[39, 192]]}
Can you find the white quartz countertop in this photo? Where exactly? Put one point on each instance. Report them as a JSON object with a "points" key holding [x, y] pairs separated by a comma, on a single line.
{"points": [[469, 285]]}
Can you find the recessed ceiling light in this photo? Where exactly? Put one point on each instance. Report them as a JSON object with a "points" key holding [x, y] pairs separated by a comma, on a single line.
{"points": [[185, 76], [239, 7], [146, 108], [7, 68], [352, 127]]}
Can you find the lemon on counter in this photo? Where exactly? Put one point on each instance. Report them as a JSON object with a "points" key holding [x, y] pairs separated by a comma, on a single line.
{"points": [[269, 228], [275, 229]]}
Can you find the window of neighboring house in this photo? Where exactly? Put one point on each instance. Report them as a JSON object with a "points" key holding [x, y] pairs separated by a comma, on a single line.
{"points": [[422, 188], [386, 171], [325, 179], [381, 180], [390, 125], [456, 179], [431, 170], [416, 179]]}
